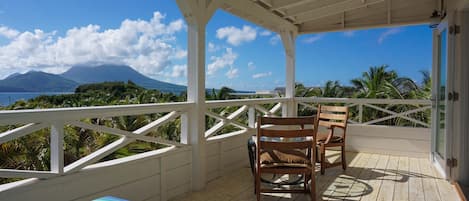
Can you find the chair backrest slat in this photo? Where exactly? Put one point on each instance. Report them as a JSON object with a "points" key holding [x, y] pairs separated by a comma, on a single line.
{"points": [[287, 133], [287, 120], [268, 145], [331, 116]]}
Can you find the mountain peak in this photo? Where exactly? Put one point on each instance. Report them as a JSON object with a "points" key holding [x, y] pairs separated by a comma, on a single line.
{"points": [[113, 72]]}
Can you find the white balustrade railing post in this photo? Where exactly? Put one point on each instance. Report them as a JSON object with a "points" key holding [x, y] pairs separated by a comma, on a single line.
{"points": [[252, 117], [56, 147], [360, 113]]}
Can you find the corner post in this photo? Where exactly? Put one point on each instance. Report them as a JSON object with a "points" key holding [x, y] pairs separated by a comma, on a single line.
{"points": [[197, 14], [288, 38]]}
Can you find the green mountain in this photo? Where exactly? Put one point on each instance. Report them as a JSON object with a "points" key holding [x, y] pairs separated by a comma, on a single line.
{"points": [[36, 81], [122, 73]]}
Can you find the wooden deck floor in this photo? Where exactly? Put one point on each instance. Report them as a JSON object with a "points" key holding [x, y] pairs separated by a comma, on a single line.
{"points": [[368, 177]]}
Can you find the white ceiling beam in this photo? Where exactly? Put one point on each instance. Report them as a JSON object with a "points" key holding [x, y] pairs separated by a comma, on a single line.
{"points": [[334, 9], [253, 12], [284, 4]]}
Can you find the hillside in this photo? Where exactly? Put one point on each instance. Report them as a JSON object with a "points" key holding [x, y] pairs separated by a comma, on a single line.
{"points": [[35, 81], [113, 73]]}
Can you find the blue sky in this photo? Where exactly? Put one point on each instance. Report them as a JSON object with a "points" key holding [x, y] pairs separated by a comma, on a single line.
{"points": [[151, 36]]}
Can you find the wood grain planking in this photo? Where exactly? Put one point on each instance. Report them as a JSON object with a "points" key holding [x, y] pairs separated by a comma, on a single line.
{"points": [[376, 178], [366, 178], [355, 189], [445, 188], [386, 192], [401, 184], [416, 192], [338, 182], [429, 183]]}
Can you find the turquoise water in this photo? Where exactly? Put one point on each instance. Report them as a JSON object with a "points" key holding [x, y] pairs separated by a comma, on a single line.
{"points": [[7, 98]]}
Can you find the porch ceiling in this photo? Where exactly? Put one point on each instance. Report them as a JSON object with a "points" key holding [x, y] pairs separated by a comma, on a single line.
{"points": [[312, 16]]}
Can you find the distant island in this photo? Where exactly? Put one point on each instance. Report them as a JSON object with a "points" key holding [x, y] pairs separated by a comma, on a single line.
{"points": [[37, 81]]}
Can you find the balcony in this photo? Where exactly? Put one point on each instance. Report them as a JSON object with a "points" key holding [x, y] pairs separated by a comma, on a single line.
{"points": [[385, 160]]}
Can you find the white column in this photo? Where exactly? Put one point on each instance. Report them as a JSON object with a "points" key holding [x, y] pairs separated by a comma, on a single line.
{"points": [[197, 14], [288, 39], [56, 148]]}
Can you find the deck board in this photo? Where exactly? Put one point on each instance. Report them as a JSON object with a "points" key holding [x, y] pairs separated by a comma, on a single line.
{"points": [[368, 177]]}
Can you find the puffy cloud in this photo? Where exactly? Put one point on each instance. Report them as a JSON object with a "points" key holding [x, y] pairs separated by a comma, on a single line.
{"points": [[274, 39], [217, 63], [232, 73], [261, 75], [236, 36], [8, 33], [312, 39], [265, 33], [147, 46], [388, 33], [251, 65], [213, 47], [179, 71]]}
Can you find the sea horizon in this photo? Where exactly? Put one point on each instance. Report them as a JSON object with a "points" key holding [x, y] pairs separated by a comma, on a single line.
{"points": [[8, 98]]}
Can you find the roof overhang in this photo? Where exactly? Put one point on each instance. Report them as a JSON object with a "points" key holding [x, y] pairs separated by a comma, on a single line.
{"points": [[313, 16]]}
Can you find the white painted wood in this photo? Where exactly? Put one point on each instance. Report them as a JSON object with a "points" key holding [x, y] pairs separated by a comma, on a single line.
{"points": [[8, 173], [9, 117], [251, 11], [56, 148], [20, 131], [163, 178], [400, 141], [97, 155], [332, 9], [257, 101], [136, 178], [289, 40], [197, 15], [251, 117], [155, 124]]}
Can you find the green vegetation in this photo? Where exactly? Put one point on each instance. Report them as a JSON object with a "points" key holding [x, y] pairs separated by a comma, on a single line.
{"points": [[31, 152]]}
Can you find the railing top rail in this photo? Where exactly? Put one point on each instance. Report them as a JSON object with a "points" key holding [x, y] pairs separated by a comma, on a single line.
{"points": [[65, 114], [253, 101], [363, 100]]}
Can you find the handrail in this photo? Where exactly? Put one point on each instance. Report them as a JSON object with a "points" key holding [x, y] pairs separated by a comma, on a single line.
{"points": [[363, 100]]}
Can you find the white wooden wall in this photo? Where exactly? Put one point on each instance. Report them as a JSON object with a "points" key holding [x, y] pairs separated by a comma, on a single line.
{"points": [[155, 175], [226, 154], [402, 141]]}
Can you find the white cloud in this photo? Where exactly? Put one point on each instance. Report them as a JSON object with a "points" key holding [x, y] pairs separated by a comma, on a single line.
{"points": [[179, 71], [261, 75], [312, 39], [232, 73], [251, 65], [349, 34], [388, 33], [213, 47], [227, 59], [147, 46], [274, 39], [265, 33], [236, 36], [8, 33]]}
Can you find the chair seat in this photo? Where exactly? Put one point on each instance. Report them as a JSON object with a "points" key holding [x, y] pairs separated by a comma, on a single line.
{"points": [[284, 158], [322, 137]]}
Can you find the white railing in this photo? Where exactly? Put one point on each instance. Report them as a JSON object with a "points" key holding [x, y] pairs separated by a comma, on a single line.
{"points": [[230, 112], [386, 107], [57, 119]]}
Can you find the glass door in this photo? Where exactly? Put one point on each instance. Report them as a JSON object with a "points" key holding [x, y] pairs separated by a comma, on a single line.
{"points": [[442, 99]]}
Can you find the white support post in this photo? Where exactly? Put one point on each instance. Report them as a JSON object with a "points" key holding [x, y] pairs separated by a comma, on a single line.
{"points": [[56, 148], [288, 39], [252, 117], [197, 15]]}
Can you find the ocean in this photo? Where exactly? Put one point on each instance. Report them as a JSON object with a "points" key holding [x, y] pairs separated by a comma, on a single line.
{"points": [[7, 98]]}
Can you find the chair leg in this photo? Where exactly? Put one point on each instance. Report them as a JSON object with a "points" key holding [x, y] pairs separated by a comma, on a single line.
{"points": [[344, 162], [323, 159], [313, 187], [257, 188]]}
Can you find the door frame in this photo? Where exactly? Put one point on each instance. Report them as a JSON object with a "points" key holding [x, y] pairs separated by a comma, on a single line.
{"points": [[440, 162]]}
